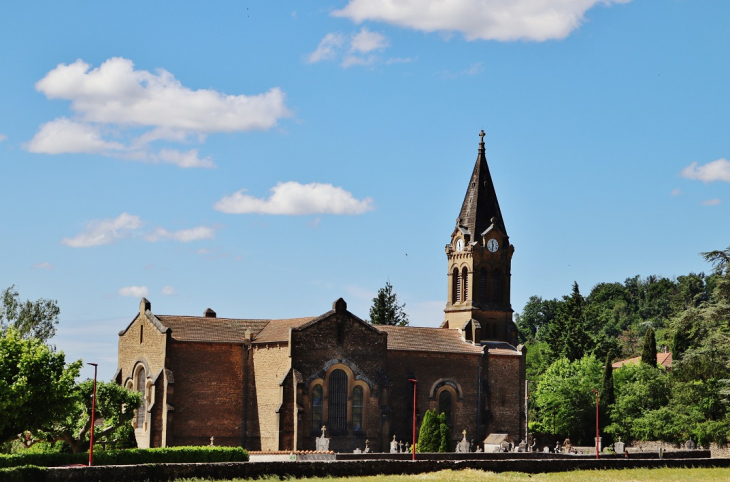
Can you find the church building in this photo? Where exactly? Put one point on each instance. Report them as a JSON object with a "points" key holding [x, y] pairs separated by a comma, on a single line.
{"points": [[271, 385]]}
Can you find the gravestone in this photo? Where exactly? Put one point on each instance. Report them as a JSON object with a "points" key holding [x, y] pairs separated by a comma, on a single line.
{"points": [[463, 446], [393, 446], [619, 446], [323, 443], [367, 446]]}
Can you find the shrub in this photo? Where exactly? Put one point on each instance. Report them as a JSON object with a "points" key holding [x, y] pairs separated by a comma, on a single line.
{"points": [[25, 473], [130, 457]]}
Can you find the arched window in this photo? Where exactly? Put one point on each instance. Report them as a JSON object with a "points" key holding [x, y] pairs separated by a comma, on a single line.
{"points": [[141, 379], [357, 399], [497, 286], [338, 402], [483, 285], [445, 405], [317, 408], [456, 286], [465, 283]]}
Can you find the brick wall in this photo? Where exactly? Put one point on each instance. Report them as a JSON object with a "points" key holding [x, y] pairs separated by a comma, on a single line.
{"points": [[209, 392], [428, 368], [505, 400]]}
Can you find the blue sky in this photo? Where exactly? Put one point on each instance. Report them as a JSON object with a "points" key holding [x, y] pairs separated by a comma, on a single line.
{"points": [[264, 159]]}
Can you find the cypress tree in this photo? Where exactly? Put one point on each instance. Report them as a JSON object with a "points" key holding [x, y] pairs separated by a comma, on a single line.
{"points": [[444, 434], [386, 310], [429, 436], [607, 394], [648, 355]]}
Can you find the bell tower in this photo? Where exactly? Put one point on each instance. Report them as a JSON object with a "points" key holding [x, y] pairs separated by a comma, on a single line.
{"points": [[479, 264]]}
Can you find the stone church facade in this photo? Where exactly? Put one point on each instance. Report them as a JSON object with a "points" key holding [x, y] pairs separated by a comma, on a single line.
{"points": [[272, 384]]}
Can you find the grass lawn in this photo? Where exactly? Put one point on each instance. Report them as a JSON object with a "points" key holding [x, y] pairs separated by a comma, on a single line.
{"points": [[469, 475]]}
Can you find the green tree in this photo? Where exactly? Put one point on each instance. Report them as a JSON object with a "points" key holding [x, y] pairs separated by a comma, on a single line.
{"points": [[429, 435], [36, 385], [30, 319], [568, 335], [445, 433], [115, 406], [565, 391], [536, 316], [648, 355], [386, 310]]}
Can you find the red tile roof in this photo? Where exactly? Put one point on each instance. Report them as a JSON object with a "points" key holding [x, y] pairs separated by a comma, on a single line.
{"points": [[412, 338], [664, 359], [199, 328], [501, 348]]}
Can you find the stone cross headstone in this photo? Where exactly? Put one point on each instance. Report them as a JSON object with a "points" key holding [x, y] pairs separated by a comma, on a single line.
{"points": [[393, 446], [323, 443], [618, 447], [212, 440], [463, 446], [367, 446]]}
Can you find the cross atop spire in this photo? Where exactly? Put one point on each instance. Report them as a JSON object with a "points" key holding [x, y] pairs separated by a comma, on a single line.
{"points": [[481, 140]]}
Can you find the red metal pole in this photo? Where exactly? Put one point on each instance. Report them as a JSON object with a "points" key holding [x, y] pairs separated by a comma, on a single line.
{"points": [[93, 411], [415, 386], [594, 391]]}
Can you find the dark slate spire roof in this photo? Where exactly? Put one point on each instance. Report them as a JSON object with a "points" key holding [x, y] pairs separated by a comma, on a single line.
{"points": [[480, 203]]}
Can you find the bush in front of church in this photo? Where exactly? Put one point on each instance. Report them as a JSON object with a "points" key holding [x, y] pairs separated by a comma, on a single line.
{"points": [[434, 433]]}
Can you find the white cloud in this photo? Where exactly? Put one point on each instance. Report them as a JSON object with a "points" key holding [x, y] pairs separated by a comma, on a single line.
{"points": [[711, 202], [3, 137], [503, 20], [292, 198], [327, 48], [183, 235], [64, 135], [718, 170], [676, 191], [117, 99], [104, 231], [169, 291], [134, 291], [44, 265], [366, 41], [354, 46]]}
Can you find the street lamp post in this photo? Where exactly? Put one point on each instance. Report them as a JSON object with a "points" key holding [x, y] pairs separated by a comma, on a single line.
{"points": [[596, 392], [415, 386], [93, 412]]}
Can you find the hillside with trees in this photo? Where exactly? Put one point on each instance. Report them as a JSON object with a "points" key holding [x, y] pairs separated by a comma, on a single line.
{"points": [[573, 341]]}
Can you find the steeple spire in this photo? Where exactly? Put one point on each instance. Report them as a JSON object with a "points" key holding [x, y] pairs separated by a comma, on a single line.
{"points": [[480, 208]]}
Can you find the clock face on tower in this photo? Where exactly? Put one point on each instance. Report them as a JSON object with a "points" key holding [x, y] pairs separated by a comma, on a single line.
{"points": [[460, 245], [492, 245]]}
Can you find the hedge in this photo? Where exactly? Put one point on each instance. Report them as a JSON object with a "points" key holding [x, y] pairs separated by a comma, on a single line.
{"points": [[130, 457], [25, 473]]}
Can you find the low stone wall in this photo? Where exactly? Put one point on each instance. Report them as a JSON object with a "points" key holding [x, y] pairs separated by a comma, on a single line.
{"points": [[252, 470], [674, 454]]}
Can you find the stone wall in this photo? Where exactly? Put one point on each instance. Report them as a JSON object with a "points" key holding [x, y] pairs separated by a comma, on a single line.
{"points": [[209, 393], [222, 471], [505, 400], [270, 363]]}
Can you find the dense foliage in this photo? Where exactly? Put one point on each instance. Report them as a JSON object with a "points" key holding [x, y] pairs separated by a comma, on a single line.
{"points": [[434, 433], [31, 319], [689, 315], [130, 457]]}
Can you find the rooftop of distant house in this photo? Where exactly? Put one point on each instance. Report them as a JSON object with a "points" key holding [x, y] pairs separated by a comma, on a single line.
{"points": [[663, 358]]}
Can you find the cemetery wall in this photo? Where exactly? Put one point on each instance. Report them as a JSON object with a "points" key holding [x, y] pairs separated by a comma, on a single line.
{"points": [[165, 472]]}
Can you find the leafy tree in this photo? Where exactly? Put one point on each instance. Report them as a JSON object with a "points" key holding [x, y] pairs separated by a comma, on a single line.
{"points": [[36, 385], [429, 436], [386, 310], [445, 432], [565, 390], [536, 316], [607, 398], [30, 319], [567, 335], [115, 407], [648, 355]]}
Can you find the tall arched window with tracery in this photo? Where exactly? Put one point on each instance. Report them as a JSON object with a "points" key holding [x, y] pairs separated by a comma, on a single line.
{"points": [[337, 407], [497, 286], [317, 408], [465, 283], [141, 379], [357, 401], [445, 405]]}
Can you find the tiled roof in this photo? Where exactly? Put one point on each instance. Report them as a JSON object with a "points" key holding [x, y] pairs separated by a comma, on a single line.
{"points": [[412, 338], [664, 359], [278, 330], [199, 328], [501, 348]]}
